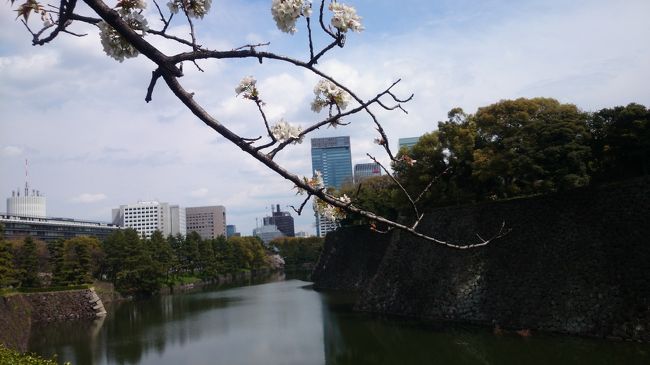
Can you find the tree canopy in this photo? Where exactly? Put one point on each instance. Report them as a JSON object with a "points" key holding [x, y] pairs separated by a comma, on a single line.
{"points": [[514, 148]]}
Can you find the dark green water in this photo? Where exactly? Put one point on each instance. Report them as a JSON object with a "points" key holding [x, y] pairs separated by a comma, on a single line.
{"points": [[286, 322]]}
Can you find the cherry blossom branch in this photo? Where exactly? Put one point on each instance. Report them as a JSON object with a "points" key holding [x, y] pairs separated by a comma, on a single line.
{"points": [[170, 69], [259, 103], [66, 9]]}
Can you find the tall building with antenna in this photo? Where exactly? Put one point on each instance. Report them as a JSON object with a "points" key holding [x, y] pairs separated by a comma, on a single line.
{"points": [[26, 205], [26, 216]]}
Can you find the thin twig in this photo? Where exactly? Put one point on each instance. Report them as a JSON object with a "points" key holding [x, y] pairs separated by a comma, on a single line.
{"points": [[299, 210], [408, 196]]}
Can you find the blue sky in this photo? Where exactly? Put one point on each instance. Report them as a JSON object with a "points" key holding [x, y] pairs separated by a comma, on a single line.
{"points": [[93, 143]]}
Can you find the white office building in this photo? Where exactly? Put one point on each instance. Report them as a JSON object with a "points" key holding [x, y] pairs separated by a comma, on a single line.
{"points": [[148, 217]]}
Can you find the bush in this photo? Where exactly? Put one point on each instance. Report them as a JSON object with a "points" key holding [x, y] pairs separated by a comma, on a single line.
{"points": [[8, 356]]}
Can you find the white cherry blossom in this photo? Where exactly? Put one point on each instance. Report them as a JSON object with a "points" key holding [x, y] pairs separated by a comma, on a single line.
{"points": [[114, 44], [345, 17], [194, 8], [286, 13], [247, 88], [283, 131], [327, 93]]}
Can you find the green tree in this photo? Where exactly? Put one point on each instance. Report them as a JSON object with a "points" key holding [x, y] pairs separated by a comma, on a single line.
{"points": [[56, 262], [78, 260], [138, 273], [28, 267], [528, 146], [161, 252], [377, 194], [621, 142], [7, 269], [457, 138], [114, 247], [297, 251], [207, 259], [417, 167], [190, 251]]}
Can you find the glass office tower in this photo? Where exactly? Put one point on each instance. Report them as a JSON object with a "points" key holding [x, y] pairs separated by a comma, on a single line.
{"points": [[332, 157]]}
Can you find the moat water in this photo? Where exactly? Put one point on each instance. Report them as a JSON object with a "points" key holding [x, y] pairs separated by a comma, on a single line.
{"points": [[287, 322]]}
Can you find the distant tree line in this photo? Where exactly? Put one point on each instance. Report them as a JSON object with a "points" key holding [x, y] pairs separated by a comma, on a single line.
{"points": [[514, 148], [135, 265], [299, 252]]}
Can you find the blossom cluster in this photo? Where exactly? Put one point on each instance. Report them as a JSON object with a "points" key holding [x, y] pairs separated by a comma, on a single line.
{"points": [[327, 93], [193, 8], [283, 131], [329, 211], [247, 88], [286, 13], [114, 44], [316, 182], [131, 4], [345, 17]]}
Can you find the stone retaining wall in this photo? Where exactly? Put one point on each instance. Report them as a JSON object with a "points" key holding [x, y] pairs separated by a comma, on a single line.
{"points": [[576, 262], [18, 312], [349, 259]]}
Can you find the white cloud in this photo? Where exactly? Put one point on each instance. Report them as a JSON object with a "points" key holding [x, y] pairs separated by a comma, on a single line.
{"points": [[11, 151], [87, 198], [199, 193]]}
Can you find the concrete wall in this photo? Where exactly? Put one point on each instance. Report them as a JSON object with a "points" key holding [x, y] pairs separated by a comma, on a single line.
{"points": [[576, 262]]}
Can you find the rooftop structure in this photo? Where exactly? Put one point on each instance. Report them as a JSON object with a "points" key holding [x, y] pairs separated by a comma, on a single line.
{"points": [[26, 205]]}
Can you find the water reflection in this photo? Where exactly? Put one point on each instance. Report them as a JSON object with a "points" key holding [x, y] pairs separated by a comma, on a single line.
{"points": [[288, 323], [356, 338]]}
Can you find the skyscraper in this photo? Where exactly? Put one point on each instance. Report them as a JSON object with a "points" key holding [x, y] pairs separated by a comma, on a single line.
{"points": [[333, 158]]}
